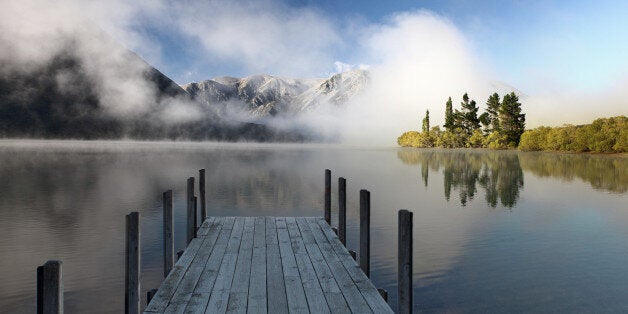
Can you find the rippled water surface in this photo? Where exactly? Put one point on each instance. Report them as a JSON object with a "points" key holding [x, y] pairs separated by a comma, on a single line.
{"points": [[494, 231]]}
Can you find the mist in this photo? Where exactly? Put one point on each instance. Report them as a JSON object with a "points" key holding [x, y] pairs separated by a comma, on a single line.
{"points": [[416, 60]]}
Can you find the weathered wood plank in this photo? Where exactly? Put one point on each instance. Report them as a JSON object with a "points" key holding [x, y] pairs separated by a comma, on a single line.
{"points": [[352, 294], [169, 285], [183, 293], [257, 302], [275, 284], [315, 298], [238, 296], [333, 295], [297, 301], [219, 297], [365, 286], [202, 291], [266, 264]]}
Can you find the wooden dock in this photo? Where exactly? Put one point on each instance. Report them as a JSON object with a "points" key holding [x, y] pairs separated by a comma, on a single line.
{"points": [[266, 265], [255, 264]]}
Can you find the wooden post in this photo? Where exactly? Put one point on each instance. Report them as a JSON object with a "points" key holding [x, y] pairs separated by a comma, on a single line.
{"points": [[196, 224], [132, 282], [168, 233], [190, 210], [404, 279], [342, 210], [50, 288], [365, 232], [328, 196], [201, 192]]}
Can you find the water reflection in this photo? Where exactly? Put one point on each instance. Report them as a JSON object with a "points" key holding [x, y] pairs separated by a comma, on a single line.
{"points": [[499, 174], [604, 172]]}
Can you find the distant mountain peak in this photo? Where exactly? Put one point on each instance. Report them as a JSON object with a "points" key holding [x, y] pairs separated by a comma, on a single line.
{"points": [[268, 95]]}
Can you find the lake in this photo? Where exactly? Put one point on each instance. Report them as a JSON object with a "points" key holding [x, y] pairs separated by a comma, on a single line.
{"points": [[494, 231]]}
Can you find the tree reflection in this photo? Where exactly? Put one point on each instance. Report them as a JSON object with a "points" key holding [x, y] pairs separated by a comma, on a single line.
{"points": [[498, 173]]}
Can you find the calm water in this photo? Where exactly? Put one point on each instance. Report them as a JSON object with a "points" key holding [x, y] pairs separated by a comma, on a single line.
{"points": [[494, 231]]}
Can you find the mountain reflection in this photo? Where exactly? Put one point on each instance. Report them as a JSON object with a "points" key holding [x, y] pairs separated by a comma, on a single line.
{"points": [[500, 173]]}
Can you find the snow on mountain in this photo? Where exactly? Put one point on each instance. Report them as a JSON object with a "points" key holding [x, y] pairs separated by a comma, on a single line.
{"points": [[266, 95]]}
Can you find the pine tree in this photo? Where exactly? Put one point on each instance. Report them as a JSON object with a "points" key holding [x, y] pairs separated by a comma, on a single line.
{"points": [[469, 111], [492, 110], [426, 122], [449, 116], [512, 121]]}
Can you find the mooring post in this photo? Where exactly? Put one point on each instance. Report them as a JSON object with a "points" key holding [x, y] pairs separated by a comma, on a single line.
{"points": [[132, 282], [404, 279], [50, 288], [196, 224], [365, 232], [168, 233], [201, 192], [328, 196], [190, 210], [342, 210]]}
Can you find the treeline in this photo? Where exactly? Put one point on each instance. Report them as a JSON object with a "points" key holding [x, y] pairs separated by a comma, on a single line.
{"points": [[500, 126], [605, 135]]}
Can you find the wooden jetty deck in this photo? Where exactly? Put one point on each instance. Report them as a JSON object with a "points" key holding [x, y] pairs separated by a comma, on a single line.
{"points": [[266, 265], [255, 264]]}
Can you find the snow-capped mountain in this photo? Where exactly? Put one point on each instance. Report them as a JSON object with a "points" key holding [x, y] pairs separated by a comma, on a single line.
{"points": [[267, 95]]}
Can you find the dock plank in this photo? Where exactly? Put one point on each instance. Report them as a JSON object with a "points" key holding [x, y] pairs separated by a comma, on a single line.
{"points": [[297, 302], [168, 287], [364, 284], [315, 298], [219, 297], [352, 294], [238, 296], [257, 302], [275, 284], [266, 265], [333, 295]]}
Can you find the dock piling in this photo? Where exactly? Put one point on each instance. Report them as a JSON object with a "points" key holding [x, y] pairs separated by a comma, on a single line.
{"points": [[328, 196], [50, 288], [132, 282], [201, 192], [404, 279], [168, 233], [342, 210], [365, 232], [190, 211], [196, 224]]}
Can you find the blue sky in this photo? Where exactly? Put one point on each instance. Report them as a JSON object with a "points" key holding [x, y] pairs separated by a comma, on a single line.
{"points": [[574, 44]]}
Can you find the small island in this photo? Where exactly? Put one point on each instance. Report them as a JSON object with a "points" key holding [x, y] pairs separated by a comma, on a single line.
{"points": [[502, 126]]}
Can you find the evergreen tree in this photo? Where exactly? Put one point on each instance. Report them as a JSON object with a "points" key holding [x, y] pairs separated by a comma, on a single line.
{"points": [[469, 111], [426, 122], [512, 121], [492, 111], [449, 116]]}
